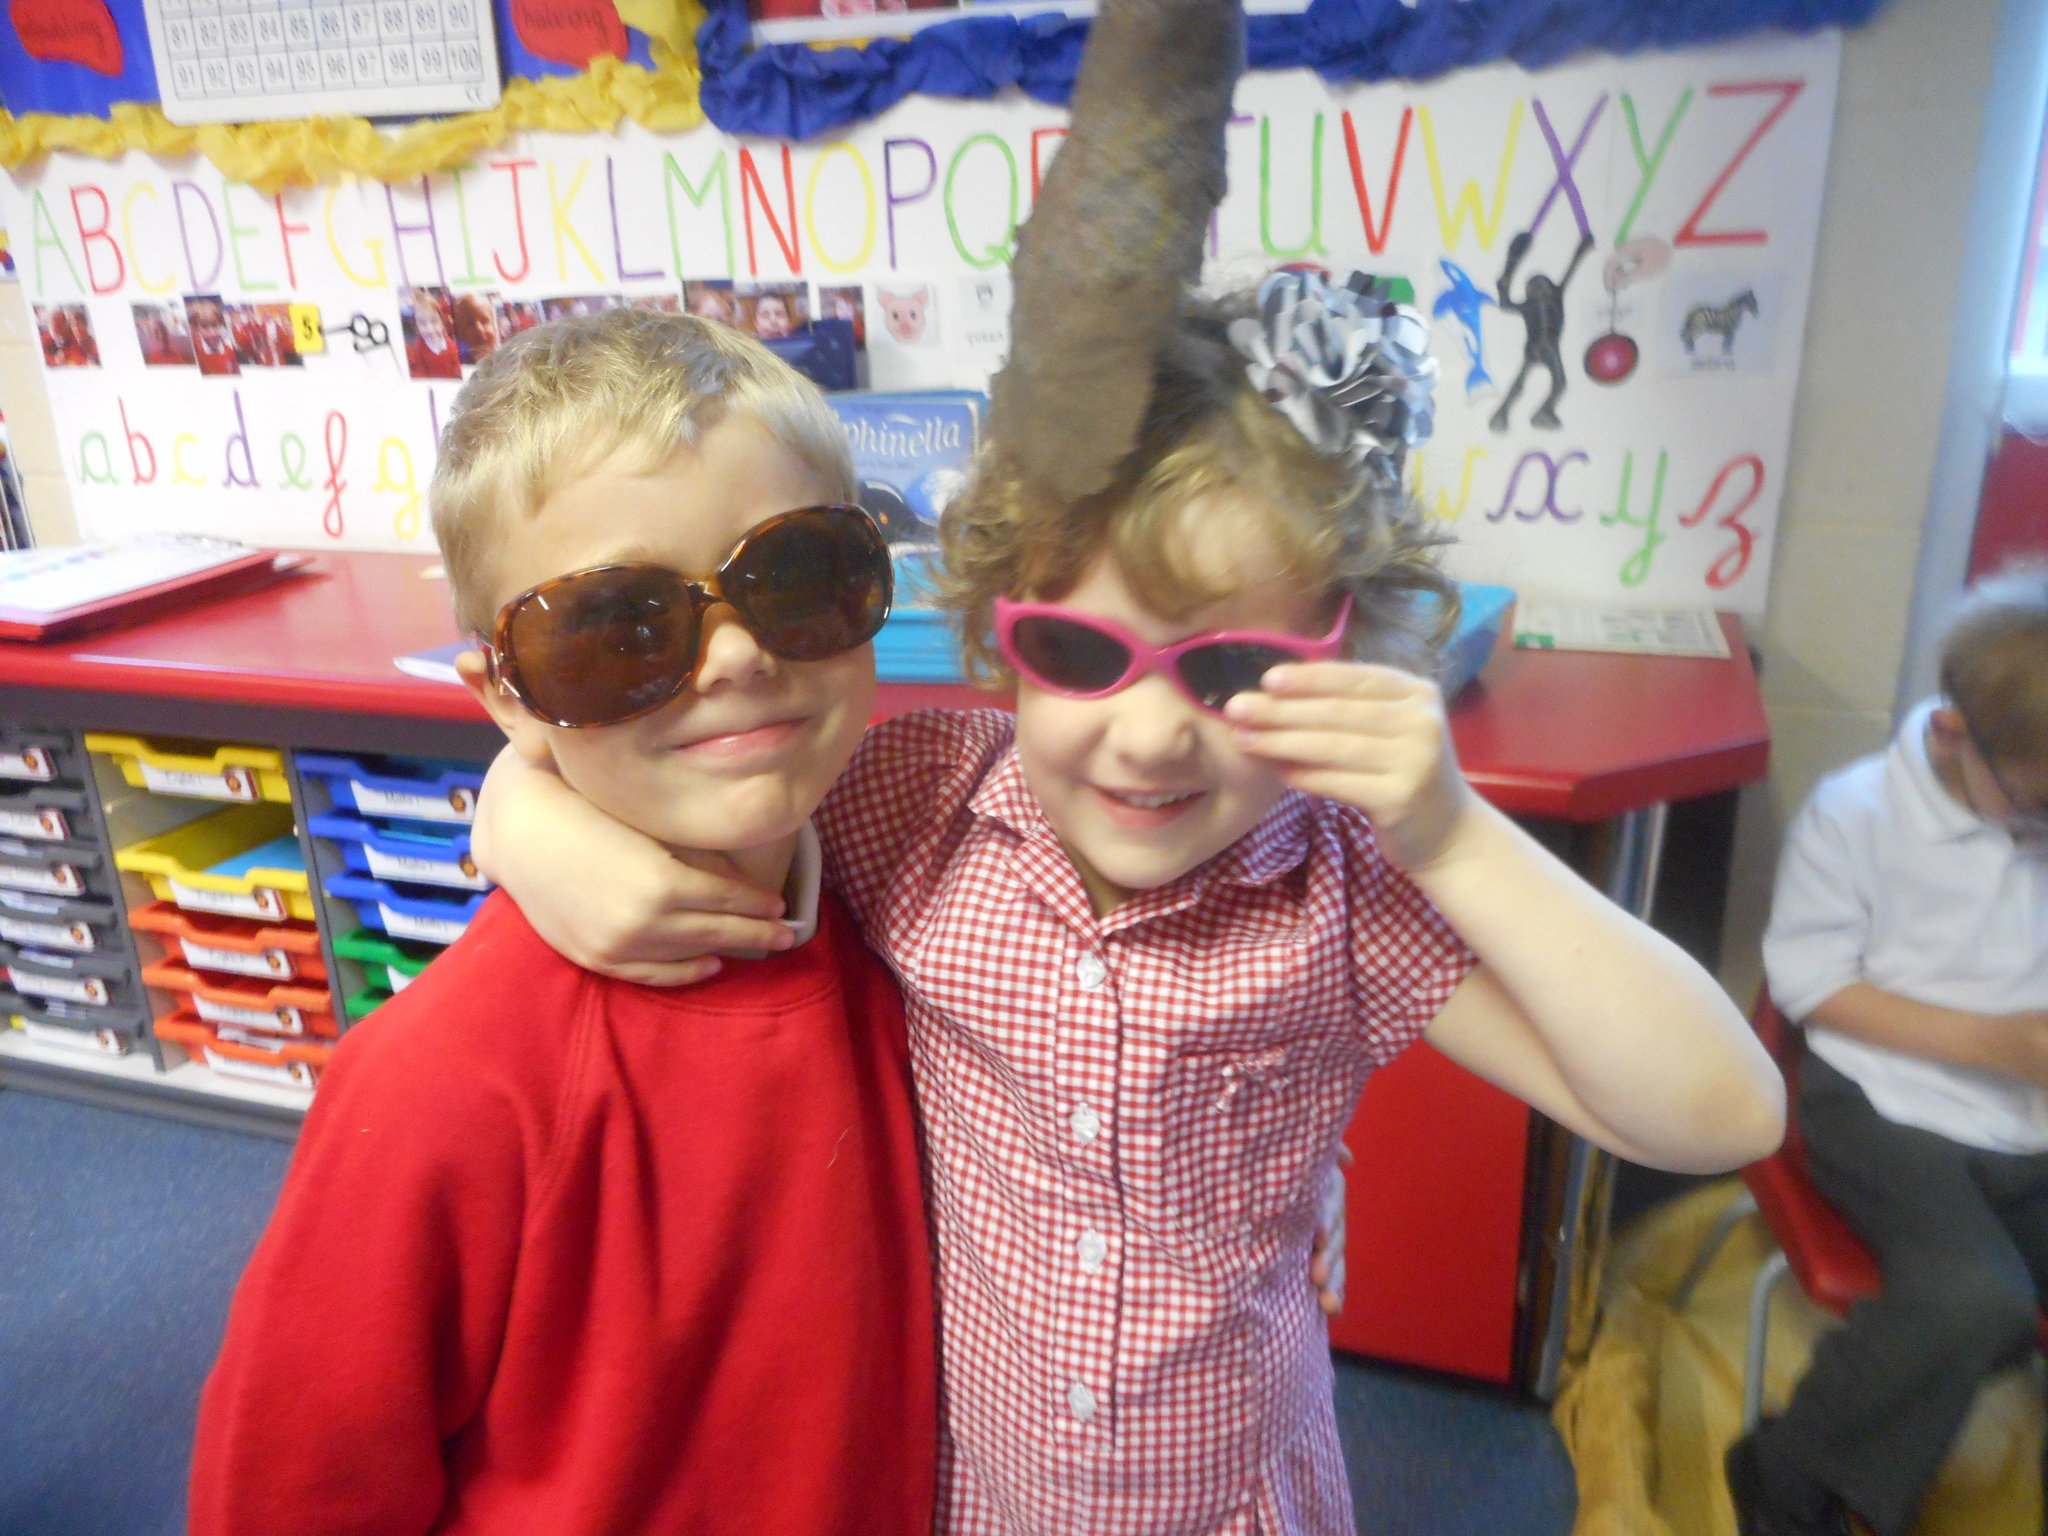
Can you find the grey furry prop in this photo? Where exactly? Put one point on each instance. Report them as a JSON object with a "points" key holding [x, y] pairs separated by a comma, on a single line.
{"points": [[1115, 240]]}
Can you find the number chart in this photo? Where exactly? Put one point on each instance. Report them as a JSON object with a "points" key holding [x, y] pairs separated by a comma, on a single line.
{"points": [[238, 61]]}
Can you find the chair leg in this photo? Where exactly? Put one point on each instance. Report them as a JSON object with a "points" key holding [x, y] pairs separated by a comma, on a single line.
{"points": [[1740, 1209], [1767, 1278]]}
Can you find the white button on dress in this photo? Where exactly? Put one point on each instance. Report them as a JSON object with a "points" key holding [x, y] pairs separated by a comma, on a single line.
{"points": [[1093, 1249], [1085, 1123], [1092, 972], [1082, 1401]]}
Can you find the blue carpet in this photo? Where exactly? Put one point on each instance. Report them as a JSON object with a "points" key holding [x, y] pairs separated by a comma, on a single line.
{"points": [[121, 1238], [1437, 1456]]}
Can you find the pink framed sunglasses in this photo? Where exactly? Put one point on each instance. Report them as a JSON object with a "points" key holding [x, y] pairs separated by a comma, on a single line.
{"points": [[1080, 656]]}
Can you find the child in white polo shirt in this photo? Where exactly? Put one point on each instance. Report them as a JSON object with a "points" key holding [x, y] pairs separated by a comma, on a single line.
{"points": [[1909, 933]]}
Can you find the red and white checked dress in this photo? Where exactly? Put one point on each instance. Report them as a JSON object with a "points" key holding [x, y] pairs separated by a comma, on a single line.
{"points": [[1126, 1122]]}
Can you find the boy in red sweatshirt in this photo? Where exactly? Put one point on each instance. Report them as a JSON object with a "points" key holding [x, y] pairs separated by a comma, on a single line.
{"points": [[565, 1254]]}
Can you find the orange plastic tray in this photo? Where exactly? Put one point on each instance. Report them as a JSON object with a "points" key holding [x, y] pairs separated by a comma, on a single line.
{"points": [[280, 1008], [293, 945], [298, 1061]]}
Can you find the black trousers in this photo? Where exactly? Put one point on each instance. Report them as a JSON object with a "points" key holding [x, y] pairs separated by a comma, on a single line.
{"points": [[1961, 1237]]}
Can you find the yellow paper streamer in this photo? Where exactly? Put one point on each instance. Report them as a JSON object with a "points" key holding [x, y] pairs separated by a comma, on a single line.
{"points": [[313, 151]]}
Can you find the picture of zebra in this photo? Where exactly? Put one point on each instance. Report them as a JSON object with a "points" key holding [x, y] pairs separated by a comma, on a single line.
{"points": [[1717, 319]]}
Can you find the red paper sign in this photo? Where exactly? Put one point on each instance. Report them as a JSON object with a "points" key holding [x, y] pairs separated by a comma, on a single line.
{"points": [[69, 32], [571, 32]]}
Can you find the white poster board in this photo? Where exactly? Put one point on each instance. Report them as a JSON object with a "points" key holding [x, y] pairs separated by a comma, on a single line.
{"points": [[1659, 487]]}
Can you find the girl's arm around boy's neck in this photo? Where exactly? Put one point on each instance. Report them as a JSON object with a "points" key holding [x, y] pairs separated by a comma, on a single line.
{"points": [[606, 896]]}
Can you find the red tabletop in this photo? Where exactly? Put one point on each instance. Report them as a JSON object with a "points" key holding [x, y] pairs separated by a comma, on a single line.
{"points": [[1542, 733], [1584, 736]]}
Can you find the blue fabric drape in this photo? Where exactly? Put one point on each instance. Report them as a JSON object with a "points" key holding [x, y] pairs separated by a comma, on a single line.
{"points": [[791, 91]]}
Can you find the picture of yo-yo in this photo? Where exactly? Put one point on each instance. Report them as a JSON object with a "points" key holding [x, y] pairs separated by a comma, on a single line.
{"points": [[1612, 356]]}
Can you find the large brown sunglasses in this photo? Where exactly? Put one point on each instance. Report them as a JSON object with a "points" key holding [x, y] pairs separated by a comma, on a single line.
{"points": [[614, 642]]}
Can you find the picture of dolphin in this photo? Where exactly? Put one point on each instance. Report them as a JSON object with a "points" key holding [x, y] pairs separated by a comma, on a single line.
{"points": [[1463, 301]]}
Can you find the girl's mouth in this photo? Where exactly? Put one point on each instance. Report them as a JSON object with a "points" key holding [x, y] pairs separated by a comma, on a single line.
{"points": [[1143, 810]]}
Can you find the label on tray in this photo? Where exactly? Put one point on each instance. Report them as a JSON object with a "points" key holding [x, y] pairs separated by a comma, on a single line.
{"points": [[283, 1074], [265, 962], [277, 1020], [72, 989], [458, 804], [106, 1042], [435, 930], [29, 763], [58, 879], [44, 823], [72, 936], [261, 901], [233, 782], [463, 875], [234, 1036]]}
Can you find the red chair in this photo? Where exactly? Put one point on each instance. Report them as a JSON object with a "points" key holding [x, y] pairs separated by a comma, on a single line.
{"points": [[1828, 1259]]}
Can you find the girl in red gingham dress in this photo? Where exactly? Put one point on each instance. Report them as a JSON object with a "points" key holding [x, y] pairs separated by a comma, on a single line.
{"points": [[1155, 930]]}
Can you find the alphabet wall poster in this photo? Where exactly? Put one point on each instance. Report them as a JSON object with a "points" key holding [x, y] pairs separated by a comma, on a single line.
{"points": [[278, 368]]}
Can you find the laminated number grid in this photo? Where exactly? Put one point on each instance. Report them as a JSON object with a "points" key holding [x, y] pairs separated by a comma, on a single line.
{"points": [[253, 60]]}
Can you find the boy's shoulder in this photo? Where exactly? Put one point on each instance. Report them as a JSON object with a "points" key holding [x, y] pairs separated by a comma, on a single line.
{"points": [[1855, 799], [495, 1007]]}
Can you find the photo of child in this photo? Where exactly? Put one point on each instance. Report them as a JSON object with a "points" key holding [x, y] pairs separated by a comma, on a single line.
{"points": [[262, 335], [516, 315], [664, 303], [774, 311], [479, 329], [212, 346], [711, 299], [277, 332], [66, 332], [910, 314], [424, 315], [849, 304], [572, 305], [160, 332]]}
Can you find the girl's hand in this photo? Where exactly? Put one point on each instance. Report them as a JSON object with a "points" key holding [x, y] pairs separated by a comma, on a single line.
{"points": [[1326, 1259], [605, 896], [1372, 737]]}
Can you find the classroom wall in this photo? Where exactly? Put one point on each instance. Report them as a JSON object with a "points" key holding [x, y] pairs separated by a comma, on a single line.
{"points": [[1909, 129], [31, 429]]}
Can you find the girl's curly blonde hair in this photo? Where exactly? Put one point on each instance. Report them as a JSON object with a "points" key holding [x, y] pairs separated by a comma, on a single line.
{"points": [[1206, 432]]}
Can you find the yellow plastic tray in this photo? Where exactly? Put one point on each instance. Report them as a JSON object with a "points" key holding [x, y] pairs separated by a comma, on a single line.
{"points": [[187, 856], [225, 773]]}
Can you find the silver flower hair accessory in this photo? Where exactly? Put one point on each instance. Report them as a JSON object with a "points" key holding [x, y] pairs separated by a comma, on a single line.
{"points": [[1348, 366]]}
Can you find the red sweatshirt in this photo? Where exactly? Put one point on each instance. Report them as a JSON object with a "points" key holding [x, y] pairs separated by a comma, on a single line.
{"points": [[563, 1255]]}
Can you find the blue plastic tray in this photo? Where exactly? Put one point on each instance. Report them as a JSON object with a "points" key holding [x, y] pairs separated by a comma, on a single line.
{"points": [[278, 853], [389, 786], [407, 912]]}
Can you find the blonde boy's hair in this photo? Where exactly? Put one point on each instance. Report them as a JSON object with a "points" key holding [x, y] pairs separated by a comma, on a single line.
{"points": [[1994, 664], [1206, 431], [558, 400]]}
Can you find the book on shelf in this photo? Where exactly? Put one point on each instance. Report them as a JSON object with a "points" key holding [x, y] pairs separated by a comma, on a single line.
{"points": [[47, 594], [911, 452]]}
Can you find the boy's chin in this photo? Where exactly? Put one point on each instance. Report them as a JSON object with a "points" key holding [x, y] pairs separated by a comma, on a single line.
{"points": [[733, 835]]}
